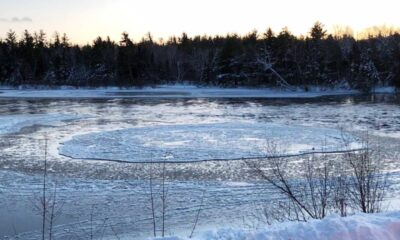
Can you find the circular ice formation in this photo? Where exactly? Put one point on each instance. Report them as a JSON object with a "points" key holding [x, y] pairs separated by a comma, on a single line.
{"points": [[187, 143]]}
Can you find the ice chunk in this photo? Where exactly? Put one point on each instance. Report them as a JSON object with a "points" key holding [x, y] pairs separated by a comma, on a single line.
{"points": [[197, 142], [14, 123]]}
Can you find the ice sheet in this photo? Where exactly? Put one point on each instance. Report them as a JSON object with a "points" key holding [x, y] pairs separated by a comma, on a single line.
{"points": [[197, 142], [14, 123]]}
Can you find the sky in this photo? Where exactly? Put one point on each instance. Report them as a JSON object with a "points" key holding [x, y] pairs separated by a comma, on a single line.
{"points": [[84, 20]]}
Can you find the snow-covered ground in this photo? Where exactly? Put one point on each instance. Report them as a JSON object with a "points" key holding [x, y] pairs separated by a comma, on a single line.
{"points": [[174, 91], [360, 226]]}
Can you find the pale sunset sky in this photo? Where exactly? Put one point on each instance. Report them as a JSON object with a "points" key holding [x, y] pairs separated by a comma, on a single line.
{"points": [[83, 20]]}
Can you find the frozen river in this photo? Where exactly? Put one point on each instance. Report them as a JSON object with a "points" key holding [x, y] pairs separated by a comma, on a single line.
{"points": [[100, 150]]}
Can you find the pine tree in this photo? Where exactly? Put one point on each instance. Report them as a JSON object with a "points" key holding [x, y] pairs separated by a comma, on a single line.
{"points": [[228, 62], [317, 32]]}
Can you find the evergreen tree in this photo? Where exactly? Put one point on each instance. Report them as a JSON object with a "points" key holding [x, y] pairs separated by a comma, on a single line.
{"points": [[228, 61], [232, 60], [317, 32], [315, 66]]}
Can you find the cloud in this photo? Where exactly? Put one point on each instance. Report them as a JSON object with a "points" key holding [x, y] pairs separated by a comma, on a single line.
{"points": [[24, 19], [16, 19]]}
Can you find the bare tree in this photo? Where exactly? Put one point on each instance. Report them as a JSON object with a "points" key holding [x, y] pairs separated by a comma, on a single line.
{"points": [[164, 194], [91, 223], [55, 210], [349, 180], [264, 59], [367, 181], [158, 195], [153, 215], [48, 205], [97, 227], [276, 173], [317, 187], [198, 214], [280, 210], [306, 195], [341, 186], [44, 200]]}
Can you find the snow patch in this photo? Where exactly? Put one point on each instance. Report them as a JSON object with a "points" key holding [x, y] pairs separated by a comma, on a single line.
{"points": [[360, 226]]}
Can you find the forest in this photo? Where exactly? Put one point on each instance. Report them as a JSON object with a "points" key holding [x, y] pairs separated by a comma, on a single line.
{"points": [[254, 60]]}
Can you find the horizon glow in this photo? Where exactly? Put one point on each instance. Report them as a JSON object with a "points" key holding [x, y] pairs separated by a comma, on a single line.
{"points": [[84, 20]]}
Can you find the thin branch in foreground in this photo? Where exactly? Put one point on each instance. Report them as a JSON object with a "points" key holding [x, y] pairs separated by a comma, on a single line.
{"points": [[198, 213]]}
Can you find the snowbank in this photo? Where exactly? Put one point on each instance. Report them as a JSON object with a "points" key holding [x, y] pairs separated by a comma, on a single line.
{"points": [[361, 226]]}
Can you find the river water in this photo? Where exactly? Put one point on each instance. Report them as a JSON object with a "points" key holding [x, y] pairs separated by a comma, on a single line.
{"points": [[106, 198]]}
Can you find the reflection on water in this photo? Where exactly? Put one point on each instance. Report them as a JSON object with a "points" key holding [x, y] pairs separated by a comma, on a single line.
{"points": [[37, 105]]}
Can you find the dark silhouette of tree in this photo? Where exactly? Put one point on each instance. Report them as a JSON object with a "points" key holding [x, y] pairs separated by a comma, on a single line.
{"points": [[228, 62], [232, 60], [317, 32], [126, 52]]}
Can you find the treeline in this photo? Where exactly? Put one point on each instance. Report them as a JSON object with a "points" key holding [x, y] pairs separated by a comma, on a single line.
{"points": [[267, 59]]}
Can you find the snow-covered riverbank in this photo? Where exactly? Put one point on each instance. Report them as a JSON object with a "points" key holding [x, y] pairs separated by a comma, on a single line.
{"points": [[175, 91]]}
